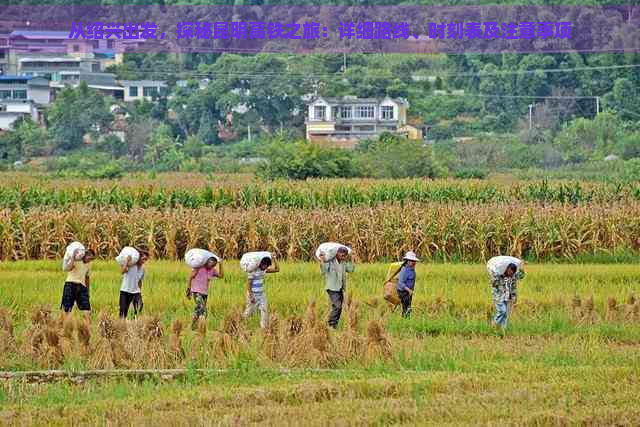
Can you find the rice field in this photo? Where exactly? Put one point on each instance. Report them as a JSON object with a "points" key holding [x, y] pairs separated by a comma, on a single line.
{"points": [[569, 356], [573, 339]]}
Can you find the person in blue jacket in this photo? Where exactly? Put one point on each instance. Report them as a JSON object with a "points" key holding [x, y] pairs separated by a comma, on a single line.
{"points": [[407, 282]]}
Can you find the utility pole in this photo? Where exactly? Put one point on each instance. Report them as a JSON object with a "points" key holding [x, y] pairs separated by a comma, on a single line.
{"points": [[344, 62], [249, 132], [597, 105], [530, 116]]}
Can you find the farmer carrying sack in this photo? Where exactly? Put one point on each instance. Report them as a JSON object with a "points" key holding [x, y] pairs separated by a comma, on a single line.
{"points": [[390, 292]]}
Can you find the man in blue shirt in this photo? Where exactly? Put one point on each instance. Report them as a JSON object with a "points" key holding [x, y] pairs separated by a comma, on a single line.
{"points": [[407, 282]]}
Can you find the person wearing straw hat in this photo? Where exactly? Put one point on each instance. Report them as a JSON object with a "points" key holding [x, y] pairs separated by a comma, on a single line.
{"points": [[407, 281]]}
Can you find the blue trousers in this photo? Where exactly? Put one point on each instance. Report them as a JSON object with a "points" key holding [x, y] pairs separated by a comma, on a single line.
{"points": [[502, 313]]}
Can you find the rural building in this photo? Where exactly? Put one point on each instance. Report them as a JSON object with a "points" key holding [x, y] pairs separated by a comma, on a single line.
{"points": [[4, 53], [20, 88], [104, 83], [36, 44], [346, 121], [137, 90], [12, 110]]}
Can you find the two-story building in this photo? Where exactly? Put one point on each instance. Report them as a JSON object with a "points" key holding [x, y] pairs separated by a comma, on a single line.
{"points": [[137, 90], [346, 121], [20, 88]]}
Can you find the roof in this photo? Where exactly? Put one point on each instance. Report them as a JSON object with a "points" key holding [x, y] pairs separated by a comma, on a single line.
{"points": [[142, 83], [5, 77], [41, 34], [354, 100], [105, 87], [50, 59]]}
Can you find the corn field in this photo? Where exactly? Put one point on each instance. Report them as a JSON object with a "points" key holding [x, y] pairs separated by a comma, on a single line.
{"points": [[436, 231], [313, 194]]}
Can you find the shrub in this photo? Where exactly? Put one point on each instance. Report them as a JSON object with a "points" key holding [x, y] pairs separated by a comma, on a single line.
{"points": [[302, 160]]}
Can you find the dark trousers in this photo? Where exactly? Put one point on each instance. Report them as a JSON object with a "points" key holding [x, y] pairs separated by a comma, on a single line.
{"points": [[75, 293], [336, 298], [126, 299], [405, 299]]}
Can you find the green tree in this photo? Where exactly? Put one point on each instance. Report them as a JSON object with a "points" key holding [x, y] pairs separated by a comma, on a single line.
{"points": [[76, 112], [623, 100], [32, 140]]}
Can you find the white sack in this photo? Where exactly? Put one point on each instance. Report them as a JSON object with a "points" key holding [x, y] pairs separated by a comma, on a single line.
{"points": [[196, 258], [251, 260], [68, 260], [329, 250], [496, 266], [128, 251]]}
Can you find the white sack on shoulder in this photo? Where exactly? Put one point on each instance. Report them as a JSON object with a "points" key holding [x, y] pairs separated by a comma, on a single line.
{"points": [[330, 249], [128, 251], [68, 259], [251, 260], [496, 266], [196, 258]]}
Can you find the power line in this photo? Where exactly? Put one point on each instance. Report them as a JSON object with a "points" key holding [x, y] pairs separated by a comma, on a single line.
{"points": [[340, 75]]}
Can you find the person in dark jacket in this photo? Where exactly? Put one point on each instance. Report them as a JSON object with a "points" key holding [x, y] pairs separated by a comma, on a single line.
{"points": [[407, 282]]}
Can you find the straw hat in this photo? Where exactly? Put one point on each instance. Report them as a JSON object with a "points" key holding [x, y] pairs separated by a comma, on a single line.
{"points": [[411, 256]]}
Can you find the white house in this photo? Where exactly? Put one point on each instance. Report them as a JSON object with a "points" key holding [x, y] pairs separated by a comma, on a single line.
{"points": [[137, 90], [349, 119], [11, 110]]}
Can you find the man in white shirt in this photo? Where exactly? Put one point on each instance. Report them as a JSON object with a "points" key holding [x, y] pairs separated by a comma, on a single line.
{"points": [[256, 298], [131, 289]]}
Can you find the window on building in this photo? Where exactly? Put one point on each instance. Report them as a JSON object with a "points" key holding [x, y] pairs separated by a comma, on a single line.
{"points": [[76, 48], [133, 91], [365, 128], [2, 55], [320, 112], [5, 94], [365, 112], [20, 94], [164, 90], [346, 112], [150, 91], [95, 68], [95, 44], [387, 112], [111, 44]]}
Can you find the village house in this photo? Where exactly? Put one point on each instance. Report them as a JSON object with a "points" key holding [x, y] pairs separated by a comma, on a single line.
{"points": [[346, 121]]}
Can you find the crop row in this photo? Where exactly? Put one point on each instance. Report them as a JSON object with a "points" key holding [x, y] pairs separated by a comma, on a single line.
{"points": [[313, 194], [435, 231]]}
